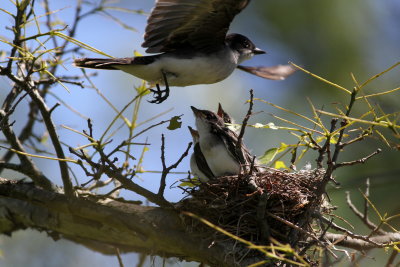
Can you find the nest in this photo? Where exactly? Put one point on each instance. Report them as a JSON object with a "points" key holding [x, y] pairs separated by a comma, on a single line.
{"points": [[248, 212]]}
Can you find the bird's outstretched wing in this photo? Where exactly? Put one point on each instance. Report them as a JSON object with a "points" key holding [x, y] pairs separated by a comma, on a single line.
{"points": [[199, 24], [279, 72]]}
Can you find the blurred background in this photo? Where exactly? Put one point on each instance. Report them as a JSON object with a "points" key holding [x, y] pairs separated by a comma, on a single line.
{"points": [[329, 38]]}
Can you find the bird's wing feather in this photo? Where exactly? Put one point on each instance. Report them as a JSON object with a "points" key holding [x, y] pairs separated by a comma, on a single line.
{"points": [[198, 24], [279, 72], [202, 162], [230, 139]]}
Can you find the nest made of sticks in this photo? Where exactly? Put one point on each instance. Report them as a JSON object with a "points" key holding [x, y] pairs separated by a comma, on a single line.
{"points": [[230, 203]]}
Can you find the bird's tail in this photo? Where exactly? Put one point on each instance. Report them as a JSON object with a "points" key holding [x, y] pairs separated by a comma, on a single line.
{"points": [[102, 63]]}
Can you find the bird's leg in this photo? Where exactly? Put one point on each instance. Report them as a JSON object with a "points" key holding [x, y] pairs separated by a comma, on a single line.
{"points": [[158, 94]]}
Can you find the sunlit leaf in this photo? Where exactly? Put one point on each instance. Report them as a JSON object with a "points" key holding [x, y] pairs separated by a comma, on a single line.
{"points": [[280, 165], [175, 123], [142, 89], [269, 155], [137, 53], [190, 183], [282, 147]]}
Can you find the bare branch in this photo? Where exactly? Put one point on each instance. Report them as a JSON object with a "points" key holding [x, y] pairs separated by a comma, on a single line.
{"points": [[359, 161], [364, 218], [166, 169], [28, 167], [392, 258], [46, 115], [244, 123], [113, 171], [379, 241]]}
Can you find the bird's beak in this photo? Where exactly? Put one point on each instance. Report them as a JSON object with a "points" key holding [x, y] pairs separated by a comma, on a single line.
{"points": [[193, 132], [220, 110], [197, 112], [258, 51]]}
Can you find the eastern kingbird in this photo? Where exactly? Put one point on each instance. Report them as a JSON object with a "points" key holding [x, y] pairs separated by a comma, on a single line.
{"points": [[230, 124], [198, 163], [225, 116], [219, 145], [229, 121], [192, 46]]}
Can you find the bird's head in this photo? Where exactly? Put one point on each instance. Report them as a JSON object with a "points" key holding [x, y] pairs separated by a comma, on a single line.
{"points": [[243, 46], [195, 134], [205, 119], [225, 116]]}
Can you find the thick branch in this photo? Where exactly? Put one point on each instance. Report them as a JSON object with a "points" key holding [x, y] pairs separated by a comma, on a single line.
{"points": [[105, 227]]}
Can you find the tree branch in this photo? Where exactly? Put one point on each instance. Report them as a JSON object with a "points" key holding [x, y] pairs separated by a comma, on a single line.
{"points": [[379, 241], [46, 115], [105, 226], [27, 165]]}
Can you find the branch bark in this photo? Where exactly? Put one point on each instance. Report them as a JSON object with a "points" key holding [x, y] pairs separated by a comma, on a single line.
{"points": [[107, 226], [361, 245]]}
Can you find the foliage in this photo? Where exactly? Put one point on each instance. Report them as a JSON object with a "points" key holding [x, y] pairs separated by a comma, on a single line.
{"points": [[33, 64]]}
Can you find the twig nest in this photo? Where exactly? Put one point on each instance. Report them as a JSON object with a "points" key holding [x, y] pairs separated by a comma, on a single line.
{"points": [[234, 204]]}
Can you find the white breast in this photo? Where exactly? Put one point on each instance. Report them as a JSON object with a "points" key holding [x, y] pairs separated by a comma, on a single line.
{"points": [[185, 72], [218, 158]]}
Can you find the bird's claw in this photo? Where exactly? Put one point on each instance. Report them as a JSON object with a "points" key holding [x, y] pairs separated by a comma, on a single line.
{"points": [[159, 95]]}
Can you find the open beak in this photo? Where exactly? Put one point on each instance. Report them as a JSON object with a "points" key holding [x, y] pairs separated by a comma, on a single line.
{"points": [[258, 51]]}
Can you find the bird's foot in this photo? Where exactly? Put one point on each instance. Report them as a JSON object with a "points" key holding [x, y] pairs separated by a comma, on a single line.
{"points": [[160, 95]]}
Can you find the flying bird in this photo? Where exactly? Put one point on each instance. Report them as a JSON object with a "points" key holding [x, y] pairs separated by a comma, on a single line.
{"points": [[190, 40]]}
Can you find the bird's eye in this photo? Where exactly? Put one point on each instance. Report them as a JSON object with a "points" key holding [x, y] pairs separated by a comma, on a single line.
{"points": [[210, 117]]}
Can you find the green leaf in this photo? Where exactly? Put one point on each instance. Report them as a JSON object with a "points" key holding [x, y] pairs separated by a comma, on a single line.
{"points": [[282, 147], [142, 89], [280, 165], [190, 183], [269, 155], [175, 123]]}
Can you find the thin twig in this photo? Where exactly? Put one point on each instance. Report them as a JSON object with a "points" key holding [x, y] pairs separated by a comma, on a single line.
{"points": [[363, 218], [244, 123], [120, 262], [113, 171], [29, 168], [392, 258], [54, 138], [359, 161], [166, 169]]}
